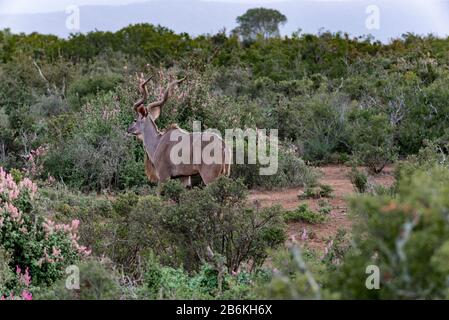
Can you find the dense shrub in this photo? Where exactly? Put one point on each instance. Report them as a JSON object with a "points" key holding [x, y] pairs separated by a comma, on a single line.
{"points": [[372, 139], [98, 281], [405, 236], [169, 283], [207, 224], [304, 214], [359, 180], [35, 242], [320, 191], [97, 154], [292, 172], [6, 274], [88, 87], [332, 98]]}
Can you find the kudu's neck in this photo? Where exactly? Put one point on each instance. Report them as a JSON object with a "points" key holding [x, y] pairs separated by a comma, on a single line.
{"points": [[151, 138]]}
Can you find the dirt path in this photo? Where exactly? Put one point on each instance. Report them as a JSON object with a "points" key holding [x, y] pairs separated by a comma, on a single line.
{"points": [[319, 235]]}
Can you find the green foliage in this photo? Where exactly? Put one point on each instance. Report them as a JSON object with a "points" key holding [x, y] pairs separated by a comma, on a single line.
{"points": [[213, 220], [88, 87], [97, 155], [97, 282], [321, 191], [359, 180], [292, 172], [33, 240], [304, 214], [331, 97], [6, 274], [300, 275], [172, 190], [168, 283], [405, 236], [372, 137], [325, 207]]}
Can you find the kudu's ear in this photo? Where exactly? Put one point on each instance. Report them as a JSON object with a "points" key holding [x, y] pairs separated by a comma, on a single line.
{"points": [[155, 112], [142, 111]]}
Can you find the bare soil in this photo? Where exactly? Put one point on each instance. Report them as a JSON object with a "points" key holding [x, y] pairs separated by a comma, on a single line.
{"points": [[319, 235]]}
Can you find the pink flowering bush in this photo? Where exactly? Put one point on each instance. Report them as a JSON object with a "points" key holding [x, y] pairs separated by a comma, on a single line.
{"points": [[36, 244], [34, 167], [22, 289]]}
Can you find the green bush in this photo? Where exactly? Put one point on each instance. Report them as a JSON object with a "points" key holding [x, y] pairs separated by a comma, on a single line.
{"points": [[325, 207], [299, 275], [292, 172], [207, 224], [359, 180], [372, 139], [161, 282], [321, 191], [97, 281], [172, 190], [304, 214], [96, 154], [89, 86], [405, 236], [6, 274]]}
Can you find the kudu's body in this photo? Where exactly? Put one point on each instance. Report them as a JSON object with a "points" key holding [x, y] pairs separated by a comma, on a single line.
{"points": [[160, 147]]}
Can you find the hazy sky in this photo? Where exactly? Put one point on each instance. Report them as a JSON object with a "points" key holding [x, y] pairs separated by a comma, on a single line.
{"points": [[209, 16], [35, 6]]}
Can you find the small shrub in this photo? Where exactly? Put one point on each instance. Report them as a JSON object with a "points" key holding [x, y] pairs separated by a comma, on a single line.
{"points": [[98, 281], [325, 207], [326, 191], [172, 190], [297, 275], [321, 191], [359, 180], [304, 214]]}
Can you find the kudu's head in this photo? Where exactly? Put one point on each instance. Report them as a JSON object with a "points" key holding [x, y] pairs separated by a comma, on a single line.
{"points": [[150, 112]]}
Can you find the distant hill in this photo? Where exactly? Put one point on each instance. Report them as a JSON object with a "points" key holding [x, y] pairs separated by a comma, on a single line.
{"points": [[200, 17]]}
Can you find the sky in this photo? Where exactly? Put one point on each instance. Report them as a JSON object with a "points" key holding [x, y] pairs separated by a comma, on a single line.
{"points": [[392, 17]]}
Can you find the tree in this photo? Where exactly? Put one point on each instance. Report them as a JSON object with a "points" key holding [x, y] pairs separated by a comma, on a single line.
{"points": [[259, 21]]}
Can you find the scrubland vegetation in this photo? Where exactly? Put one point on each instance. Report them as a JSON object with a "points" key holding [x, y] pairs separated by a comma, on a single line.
{"points": [[73, 190]]}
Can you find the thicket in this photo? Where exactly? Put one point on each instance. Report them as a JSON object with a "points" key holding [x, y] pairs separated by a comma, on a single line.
{"points": [[333, 98], [65, 105]]}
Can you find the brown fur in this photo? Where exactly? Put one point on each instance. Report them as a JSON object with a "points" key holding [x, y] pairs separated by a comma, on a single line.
{"points": [[150, 170]]}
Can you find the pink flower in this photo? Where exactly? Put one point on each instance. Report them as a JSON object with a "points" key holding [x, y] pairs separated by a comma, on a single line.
{"points": [[29, 185], [304, 235], [75, 225], [27, 295], [56, 252], [14, 212], [26, 278]]}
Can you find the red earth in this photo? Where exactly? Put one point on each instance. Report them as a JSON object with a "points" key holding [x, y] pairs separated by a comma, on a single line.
{"points": [[319, 234]]}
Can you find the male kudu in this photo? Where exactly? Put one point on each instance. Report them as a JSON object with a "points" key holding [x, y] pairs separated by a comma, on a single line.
{"points": [[162, 148]]}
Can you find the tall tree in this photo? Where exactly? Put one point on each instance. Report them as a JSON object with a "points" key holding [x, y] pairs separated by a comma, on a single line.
{"points": [[259, 21]]}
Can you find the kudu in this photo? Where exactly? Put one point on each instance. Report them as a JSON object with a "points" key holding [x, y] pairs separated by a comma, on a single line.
{"points": [[160, 146]]}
